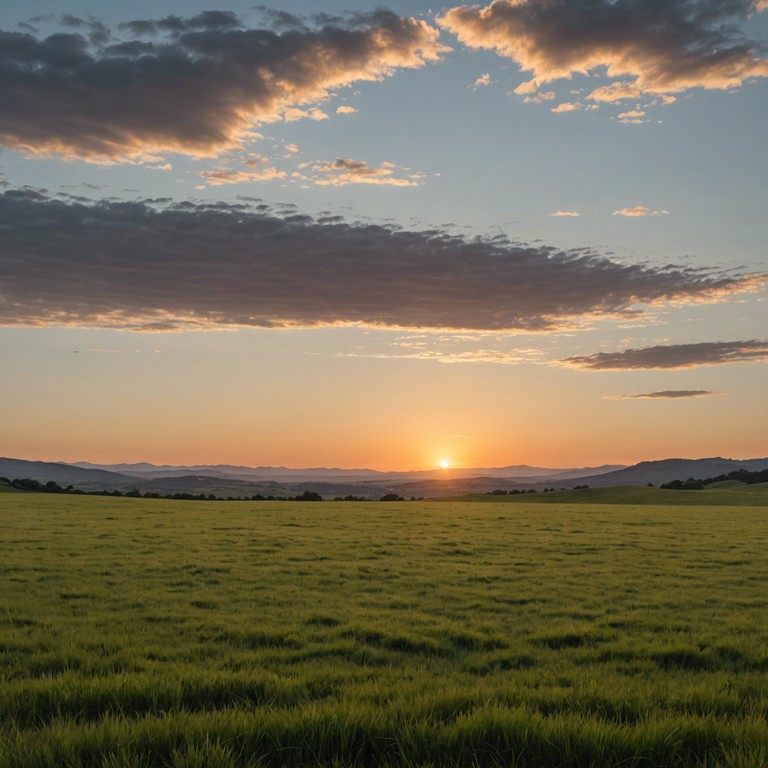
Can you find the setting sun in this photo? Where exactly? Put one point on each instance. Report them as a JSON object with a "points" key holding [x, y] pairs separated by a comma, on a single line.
{"points": [[444, 463]]}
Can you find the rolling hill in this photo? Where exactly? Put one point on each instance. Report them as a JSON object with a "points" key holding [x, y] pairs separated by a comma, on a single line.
{"points": [[234, 481]]}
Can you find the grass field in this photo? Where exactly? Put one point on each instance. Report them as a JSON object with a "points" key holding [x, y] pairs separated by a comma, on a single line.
{"points": [[156, 633]]}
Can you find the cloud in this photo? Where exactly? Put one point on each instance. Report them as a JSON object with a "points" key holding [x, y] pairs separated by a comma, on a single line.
{"points": [[345, 110], [488, 356], [292, 114], [219, 178], [618, 92], [566, 106], [483, 80], [539, 97], [668, 394], [674, 356], [639, 210], [662, 47], [195, 86], [571, 214], [633, 116], [341, 172], [164, 265]]}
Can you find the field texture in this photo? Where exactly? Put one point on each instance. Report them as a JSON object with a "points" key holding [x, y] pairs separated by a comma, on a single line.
{"points": [[159, 633]]}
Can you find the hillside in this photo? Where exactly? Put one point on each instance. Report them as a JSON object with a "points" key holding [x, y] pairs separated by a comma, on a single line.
{"points": [[147, 478], [63, 474], [667, 470]]}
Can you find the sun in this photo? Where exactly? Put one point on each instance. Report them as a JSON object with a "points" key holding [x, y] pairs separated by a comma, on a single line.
{"points": [[444, 463]]}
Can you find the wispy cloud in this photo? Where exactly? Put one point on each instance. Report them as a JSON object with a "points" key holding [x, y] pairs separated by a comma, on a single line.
{"points": [[652, 48], [341, 172], [219, 178], [482, 81], [674, 356], [487, 356], [540, 97], [566, 214], [196, 86], [668, 394], [633, 117], [640, 210], [160, 265]]}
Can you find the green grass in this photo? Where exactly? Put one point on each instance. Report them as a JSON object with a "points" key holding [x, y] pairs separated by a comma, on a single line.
{"points": [[753, 495], [721, 484], [157, 633]]}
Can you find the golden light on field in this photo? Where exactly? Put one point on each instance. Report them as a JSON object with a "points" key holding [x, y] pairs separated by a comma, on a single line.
{"points": [[444, 463]]}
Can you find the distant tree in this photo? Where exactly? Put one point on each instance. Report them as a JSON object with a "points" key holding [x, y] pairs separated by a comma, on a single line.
{"points": [[26, 484], [308, 496], [391, 497]]}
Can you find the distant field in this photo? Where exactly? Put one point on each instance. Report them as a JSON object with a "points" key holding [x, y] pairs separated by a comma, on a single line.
{"points": [[727, 495], [156, 633]]}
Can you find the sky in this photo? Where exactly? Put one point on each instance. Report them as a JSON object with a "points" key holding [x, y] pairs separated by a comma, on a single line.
{"points": [[348, 235]]}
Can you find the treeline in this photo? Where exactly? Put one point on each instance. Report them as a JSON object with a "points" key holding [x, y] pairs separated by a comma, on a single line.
{"points": [[515, 491], [26, 484], [742, 475]]}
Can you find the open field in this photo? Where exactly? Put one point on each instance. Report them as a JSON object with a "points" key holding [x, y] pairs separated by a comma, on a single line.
{"points": [[156, 633]]}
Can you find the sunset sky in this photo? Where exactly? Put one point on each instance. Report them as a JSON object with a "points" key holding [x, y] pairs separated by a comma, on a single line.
{"points": [[338, 234]]}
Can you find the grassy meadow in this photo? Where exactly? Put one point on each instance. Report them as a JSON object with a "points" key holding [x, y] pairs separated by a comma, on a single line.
{"points": [[140, 632]]}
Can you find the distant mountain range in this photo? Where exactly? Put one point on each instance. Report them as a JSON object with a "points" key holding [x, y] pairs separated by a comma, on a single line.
{"points": [[523, 471], [239, 481]]}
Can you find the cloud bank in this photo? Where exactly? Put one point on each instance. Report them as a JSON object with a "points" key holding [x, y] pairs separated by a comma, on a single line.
{"points": [[160, 265], [651, 46], [674, 356], [195, 86]]}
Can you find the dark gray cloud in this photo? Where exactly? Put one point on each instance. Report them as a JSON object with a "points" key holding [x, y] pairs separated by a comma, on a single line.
{"points": [[207, 20], [662, 46], [669, 394], [165, 265], [674, 356], [195, 85], [281, 21]]}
